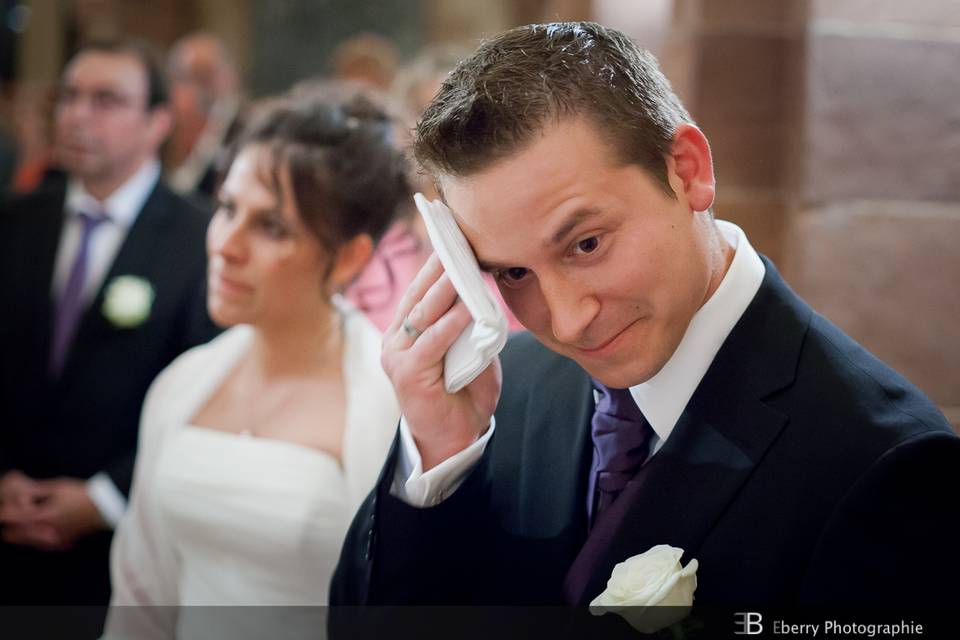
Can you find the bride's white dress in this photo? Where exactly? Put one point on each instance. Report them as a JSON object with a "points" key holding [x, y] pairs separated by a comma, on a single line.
{"points": [[221, 519]]}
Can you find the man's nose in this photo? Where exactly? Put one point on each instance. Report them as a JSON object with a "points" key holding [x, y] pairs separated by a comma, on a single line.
{"points": [[571, 307], [75, 109]]}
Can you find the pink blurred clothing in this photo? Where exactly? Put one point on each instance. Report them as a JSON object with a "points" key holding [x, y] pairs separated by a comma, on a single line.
{"points": [[396, 261]]}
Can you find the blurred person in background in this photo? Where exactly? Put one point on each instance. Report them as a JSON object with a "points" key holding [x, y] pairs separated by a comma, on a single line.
{"points": [[406, 246], [8, 144], [369, 58], [33, 123], [8, 161], [104, 281], [418, 81], [256, 449], [205, 99]]}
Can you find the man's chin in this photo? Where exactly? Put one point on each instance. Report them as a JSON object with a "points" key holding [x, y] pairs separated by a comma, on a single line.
{"points": [[616, 372], [81, 167], [618, 377], [621, 369]]}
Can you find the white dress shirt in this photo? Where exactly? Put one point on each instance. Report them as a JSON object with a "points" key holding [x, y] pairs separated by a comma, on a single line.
{"points": [[122, 208], [661, 399]]}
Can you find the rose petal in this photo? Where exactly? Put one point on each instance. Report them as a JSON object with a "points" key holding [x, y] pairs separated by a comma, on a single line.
{"points": [[650, 590]]}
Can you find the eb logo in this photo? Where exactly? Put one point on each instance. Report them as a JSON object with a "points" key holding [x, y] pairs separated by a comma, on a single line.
{"points": [[749, 623]]}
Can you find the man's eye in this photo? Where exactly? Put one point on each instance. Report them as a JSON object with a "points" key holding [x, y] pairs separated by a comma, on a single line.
{"points": [[588, 245], [106, 100], [513, 275], [67, 96]]}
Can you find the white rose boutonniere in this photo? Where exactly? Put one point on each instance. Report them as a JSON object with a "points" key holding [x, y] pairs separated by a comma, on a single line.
{"points": [[651, 590], [127, 301]]}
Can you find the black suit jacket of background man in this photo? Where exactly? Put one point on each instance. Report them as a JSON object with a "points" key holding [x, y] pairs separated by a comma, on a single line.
{"points": [[803, 471], [87, 420]]}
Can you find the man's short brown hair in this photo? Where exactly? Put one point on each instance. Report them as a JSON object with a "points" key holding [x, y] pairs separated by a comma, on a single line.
{"points": [[158, 90], [494, 102]]}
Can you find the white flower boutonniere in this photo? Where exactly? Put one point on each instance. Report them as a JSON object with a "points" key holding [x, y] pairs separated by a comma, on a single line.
{"points": [[127, 301], [651, 590]]}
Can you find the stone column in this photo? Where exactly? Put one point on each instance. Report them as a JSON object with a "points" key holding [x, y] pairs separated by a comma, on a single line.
{"points": [[872, 239], [740, 85], [835, 130], [230, 21], [41, 53], [294, 39], [465, 22]]}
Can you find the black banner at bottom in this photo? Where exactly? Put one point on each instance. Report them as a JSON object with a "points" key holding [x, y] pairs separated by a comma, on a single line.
{"points": [[480, 623]]}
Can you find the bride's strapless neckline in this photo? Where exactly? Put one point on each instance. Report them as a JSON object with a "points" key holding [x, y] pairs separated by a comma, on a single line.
{"points": [[254, 520], [247, 436]]}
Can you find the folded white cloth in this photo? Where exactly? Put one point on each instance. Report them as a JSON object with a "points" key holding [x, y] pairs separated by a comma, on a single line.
{"points": [[486, 336]]}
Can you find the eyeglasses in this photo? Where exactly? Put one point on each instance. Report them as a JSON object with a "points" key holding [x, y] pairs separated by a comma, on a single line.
{"points": [[100, 100]]}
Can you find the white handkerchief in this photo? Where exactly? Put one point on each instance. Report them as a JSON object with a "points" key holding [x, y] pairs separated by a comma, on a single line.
{"points": [[483, 338]]}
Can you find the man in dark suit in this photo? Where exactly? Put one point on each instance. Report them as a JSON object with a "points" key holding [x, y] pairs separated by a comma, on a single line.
{"points": [[104, 282], [678, 392]]}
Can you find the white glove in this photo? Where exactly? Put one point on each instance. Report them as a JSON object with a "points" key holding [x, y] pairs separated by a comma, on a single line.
{"points": [[483, 338]]}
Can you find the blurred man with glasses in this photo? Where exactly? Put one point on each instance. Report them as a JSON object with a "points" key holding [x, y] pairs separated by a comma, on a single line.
{"points": [[103, 278]]}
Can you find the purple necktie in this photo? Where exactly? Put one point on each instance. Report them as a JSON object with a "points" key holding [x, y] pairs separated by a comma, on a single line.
{"points": [[621, 437], [70, 305]]}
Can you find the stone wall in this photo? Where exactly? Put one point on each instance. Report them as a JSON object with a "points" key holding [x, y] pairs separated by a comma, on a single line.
{"points": [[293, 39], [873, 233], [835, 129]]}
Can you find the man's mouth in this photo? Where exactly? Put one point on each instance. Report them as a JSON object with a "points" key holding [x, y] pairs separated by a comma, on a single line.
{"points": [[607, 346]]}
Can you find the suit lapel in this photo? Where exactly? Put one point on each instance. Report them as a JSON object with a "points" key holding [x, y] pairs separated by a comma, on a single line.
{"points": [[540, 486], [568, 466], [38, 256], [725, 430], [678, 496], [139, 256]]}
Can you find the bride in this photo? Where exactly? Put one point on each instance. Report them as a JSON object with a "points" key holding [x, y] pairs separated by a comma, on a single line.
{"points": [[256, 449]]}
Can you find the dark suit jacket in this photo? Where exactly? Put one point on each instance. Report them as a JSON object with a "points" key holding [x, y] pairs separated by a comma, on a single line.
{"points": [[803, 471], [86, 421]]}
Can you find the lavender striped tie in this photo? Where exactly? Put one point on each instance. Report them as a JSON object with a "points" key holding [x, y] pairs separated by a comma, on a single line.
{"points": [[70, 305], [621, 437]]}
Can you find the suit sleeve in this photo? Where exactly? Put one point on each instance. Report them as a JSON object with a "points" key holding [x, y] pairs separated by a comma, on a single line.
{"points": [[198, 327], [888, 542], [396, 553], [509, 532], [4, 463], [7, 269], [421, 488], [120, 471]]}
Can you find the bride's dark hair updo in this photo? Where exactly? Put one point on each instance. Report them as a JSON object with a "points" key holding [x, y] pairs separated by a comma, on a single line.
{"points": [[346, 171]]}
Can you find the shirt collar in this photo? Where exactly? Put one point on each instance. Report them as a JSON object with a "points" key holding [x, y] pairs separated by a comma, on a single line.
{"points": [[663, 397], [123, 205]]}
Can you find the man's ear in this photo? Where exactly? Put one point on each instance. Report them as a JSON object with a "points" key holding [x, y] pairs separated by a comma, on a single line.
{"points": [[690, 168], [351, 258], [160, 124]]}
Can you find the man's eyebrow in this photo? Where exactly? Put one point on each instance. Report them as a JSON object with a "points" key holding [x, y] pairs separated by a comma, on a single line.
{"points": [[570, 223], [490, 267]]}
